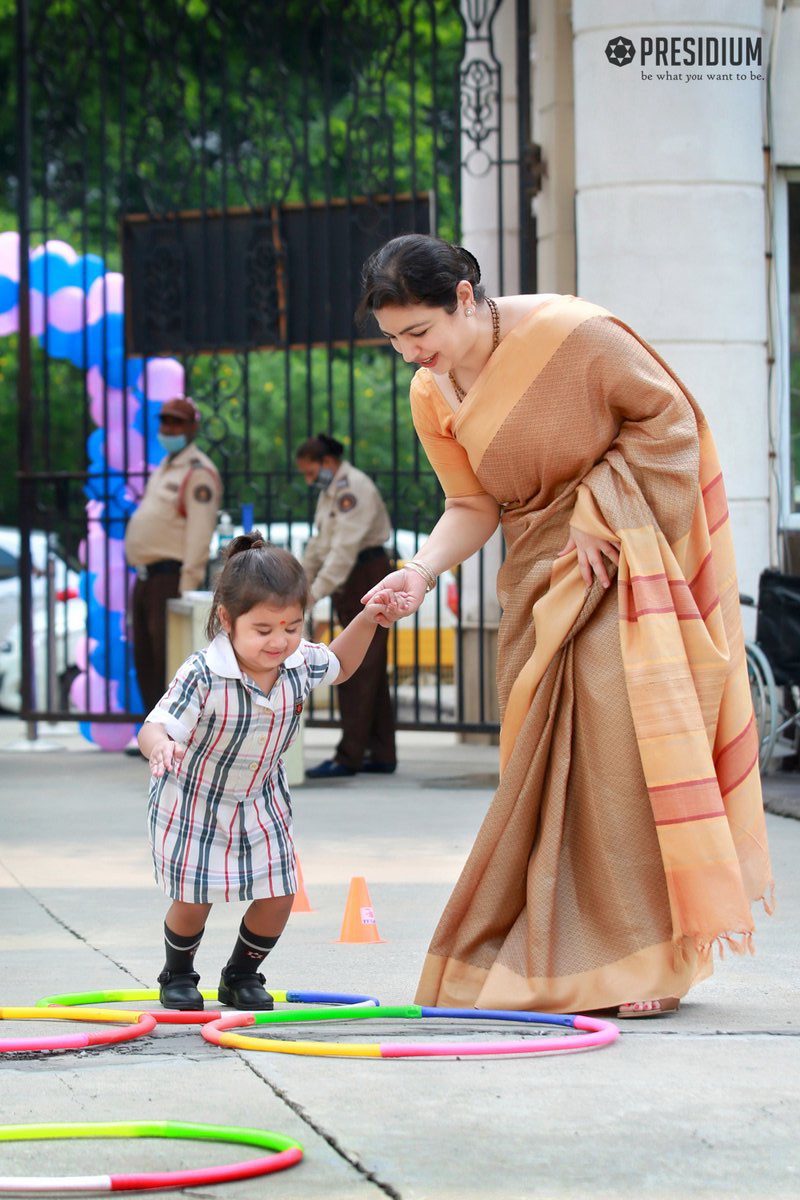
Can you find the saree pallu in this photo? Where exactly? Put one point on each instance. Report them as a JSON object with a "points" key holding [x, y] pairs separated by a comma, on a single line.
{"points": [[627, 834]]}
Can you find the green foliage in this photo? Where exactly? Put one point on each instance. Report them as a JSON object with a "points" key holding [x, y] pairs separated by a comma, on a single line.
{"points": [[277, 401], [200, 104]]}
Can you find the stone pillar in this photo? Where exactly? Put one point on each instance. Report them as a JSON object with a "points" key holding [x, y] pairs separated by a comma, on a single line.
{"points": [[554, 132], [670, 220]]}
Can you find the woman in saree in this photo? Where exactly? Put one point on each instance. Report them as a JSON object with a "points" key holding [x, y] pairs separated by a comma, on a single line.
{"points": [[626, 838]]}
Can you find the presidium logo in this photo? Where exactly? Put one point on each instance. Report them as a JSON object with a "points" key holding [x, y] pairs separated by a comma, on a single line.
{"points": [[712, 53], [620, 51]]}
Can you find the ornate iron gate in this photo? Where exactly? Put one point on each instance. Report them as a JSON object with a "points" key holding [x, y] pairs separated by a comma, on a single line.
{"points": [[294, 127]]}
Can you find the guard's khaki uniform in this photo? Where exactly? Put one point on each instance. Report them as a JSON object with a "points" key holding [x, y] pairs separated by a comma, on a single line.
{"points": [[344, 559], [168, 540]]}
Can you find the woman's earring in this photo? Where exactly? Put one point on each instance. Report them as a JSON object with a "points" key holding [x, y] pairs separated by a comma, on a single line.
{"points": [[470, 312]]}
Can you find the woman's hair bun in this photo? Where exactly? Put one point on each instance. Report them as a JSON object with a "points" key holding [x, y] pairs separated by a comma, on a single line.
{"points": [[473, 262]]}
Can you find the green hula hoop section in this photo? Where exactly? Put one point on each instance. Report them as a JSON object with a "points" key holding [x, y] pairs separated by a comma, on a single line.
{"points": [[283, 1152]]}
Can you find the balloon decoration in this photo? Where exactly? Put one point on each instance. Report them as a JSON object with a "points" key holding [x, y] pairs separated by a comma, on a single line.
{"points": [[77, 314]]}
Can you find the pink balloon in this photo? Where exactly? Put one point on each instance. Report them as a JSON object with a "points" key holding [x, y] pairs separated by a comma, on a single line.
{"points": [[54, 246], [112, 406], [112, 592], [94, 387], [37, 313], [161, 379], [100, 552], [9, 321], [112, 737], [134, 488], [9, 255], [103, 694], [106, 295], [64, 309], [124, 449]]}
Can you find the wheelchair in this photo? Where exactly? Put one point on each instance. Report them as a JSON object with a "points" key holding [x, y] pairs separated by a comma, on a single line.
{"points": [[773, 668]]}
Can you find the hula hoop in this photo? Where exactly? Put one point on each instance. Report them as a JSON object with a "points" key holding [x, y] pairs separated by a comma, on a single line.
{"points": [[137, 1025], [168, 1016], [595, 1033], [287, 1153]]}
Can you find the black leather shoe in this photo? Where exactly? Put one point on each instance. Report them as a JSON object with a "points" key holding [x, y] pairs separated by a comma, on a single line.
{"points": [[330, 769], [372, 767], [180, 991], [245, 992]]}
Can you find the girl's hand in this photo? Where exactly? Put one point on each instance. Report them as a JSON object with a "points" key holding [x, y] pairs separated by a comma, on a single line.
{"points": [[590, 555], [165, 756], [384, 607], [408, 585]]}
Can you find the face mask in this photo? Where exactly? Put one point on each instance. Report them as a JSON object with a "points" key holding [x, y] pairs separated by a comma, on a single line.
{"points": [[172, 442], [323, 479]]}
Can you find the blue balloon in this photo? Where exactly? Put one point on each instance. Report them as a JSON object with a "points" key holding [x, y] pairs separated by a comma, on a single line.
{"points": [[49, 272], [86, 269], [63, 345], [9, 293], [106, 338], [135, 368], [115, 368], [112, 656]]}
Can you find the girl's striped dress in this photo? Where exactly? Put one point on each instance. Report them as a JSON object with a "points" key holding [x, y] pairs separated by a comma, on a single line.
{"points": [[221, 823]]}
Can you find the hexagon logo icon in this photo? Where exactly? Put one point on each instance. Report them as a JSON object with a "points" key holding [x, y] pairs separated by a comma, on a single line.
{"points": [[620, 51]]}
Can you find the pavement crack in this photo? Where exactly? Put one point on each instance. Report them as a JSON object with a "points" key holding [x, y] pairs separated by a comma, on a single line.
{"points": [[348, 1155], [68, 928]]}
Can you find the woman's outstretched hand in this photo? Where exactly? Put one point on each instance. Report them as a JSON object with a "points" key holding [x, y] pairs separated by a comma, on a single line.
{"points": [[590, 555], [408, 586], [384, 606]]}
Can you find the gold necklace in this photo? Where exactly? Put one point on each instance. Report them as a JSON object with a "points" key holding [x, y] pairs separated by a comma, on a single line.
{"points": [[459, 391]]}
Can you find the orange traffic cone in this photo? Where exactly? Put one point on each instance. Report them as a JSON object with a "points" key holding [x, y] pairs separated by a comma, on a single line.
{"points": [[359, 919], [302, 904]]}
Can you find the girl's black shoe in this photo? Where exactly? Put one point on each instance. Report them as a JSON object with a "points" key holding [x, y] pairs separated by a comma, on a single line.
{"points": [[245, 992], [180, 991]]}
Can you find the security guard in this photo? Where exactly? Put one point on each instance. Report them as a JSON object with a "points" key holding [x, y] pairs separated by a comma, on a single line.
{"points": [[344, 560], [168, 539]]}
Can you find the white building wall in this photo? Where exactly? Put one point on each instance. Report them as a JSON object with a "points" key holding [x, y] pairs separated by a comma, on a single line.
{"points": [[669, 215], [784, 29], [786, 84]]}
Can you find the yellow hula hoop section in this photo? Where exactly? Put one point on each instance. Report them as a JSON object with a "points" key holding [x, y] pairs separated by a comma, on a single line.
{"points": [[235, 1041], [135, 1024]]}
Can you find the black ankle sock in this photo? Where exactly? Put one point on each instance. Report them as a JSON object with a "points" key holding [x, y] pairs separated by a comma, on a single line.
{"points": [[250, 951], [181, 950]]}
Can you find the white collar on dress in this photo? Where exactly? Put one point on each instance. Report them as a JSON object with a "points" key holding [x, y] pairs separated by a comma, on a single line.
{"points": [[222, 660]]}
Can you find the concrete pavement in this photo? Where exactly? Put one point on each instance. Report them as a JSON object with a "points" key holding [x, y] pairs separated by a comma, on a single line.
{"points": [[704, 1104]]}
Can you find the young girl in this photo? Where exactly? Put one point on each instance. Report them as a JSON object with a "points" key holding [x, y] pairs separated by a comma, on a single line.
{"points": [[220, 813]]}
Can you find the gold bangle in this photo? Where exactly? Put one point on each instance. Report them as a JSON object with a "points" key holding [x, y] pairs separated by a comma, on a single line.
{"points": [[426, 573]]}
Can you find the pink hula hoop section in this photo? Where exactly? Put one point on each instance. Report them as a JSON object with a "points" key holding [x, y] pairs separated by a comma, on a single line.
{"points": [[136, 1024], [592, 1034]]}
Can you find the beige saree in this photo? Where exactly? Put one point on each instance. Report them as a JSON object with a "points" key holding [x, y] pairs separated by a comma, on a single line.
{"points": [[627, 835]]}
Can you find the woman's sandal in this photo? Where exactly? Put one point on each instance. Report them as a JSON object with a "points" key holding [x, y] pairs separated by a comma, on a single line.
{"points": [[649, 1008]]}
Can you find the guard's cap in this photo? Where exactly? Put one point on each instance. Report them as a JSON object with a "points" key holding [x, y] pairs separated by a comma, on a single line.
{"points": [[181, 408]]}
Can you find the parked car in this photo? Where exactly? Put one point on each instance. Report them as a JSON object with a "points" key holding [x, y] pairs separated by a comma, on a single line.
{"points": [[56, 584], [69, 629], [46, 560]]}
